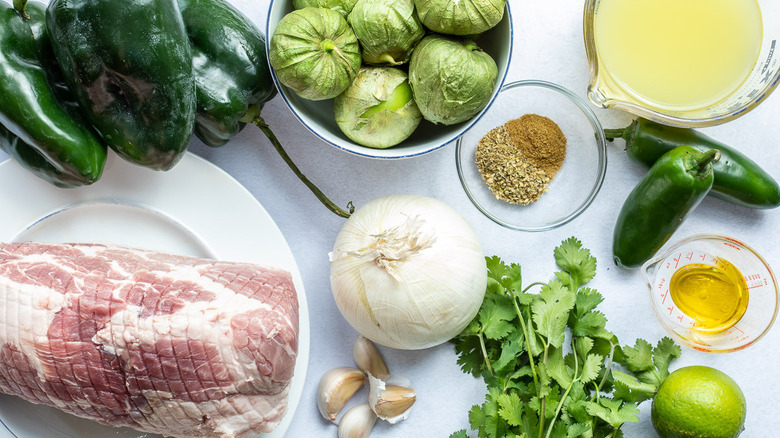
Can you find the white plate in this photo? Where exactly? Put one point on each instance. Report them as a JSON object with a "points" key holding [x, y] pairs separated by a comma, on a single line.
{"points": [[194, 209]]}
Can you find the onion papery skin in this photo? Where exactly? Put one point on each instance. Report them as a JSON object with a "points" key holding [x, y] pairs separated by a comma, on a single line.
{"points": [[418, 293]]}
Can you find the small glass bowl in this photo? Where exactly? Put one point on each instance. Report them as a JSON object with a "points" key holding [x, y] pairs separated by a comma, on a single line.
{"points": [[576, 183]]}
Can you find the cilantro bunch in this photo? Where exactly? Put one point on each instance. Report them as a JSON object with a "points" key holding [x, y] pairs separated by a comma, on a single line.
{"points": [[547, 357]]}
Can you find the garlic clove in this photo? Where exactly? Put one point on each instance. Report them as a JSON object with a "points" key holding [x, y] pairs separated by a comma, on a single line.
{"points": [[336, 387], [369, 359], [391, 403], [357, 422]]}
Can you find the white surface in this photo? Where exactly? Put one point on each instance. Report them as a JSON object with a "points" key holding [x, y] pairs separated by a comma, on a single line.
{"points": [[548, 45], [195, 209]]}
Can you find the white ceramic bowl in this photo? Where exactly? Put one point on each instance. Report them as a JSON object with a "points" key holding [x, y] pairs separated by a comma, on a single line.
{"points": [[318, 116]]}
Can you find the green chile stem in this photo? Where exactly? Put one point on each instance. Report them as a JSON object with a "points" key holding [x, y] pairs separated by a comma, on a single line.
{"points": [[260, 123], [704, 160], [20, 6]]}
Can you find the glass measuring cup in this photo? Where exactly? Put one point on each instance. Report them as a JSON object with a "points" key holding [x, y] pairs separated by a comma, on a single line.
{"points": [[606, 92], [706, 249]]}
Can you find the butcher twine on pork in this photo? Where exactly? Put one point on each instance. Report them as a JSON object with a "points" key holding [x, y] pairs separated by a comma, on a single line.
{"points": [[166, 344]]}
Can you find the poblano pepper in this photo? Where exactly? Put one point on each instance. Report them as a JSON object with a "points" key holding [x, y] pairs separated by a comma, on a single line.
{"points": [[671, 189], [233, 79], [232, 75], [40, 123], [130, 66]]}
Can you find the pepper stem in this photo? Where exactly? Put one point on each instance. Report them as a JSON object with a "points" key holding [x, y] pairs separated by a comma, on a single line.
{"points": [[611, 134], [20, 6], [706, 158], [260, 123]]}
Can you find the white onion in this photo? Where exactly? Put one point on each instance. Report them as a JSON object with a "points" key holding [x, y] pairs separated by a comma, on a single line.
{"points": [[408, 272]]}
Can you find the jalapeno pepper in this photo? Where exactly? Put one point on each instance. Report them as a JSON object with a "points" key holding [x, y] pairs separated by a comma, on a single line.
{"points": [[738, 179], [672, 188], [230, 67], [40, 124], [130, 66]]}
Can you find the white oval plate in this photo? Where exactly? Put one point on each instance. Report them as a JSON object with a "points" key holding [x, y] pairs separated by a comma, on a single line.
{"points": [[194, 209]]}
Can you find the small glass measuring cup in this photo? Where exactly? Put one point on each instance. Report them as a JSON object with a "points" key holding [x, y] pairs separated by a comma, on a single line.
{"points": [[706, 249], [605, 92]]}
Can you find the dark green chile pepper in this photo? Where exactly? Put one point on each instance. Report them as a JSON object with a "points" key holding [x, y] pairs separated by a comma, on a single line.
{"points": [[230, 67], [738, 179], [233, 81], [40, 124], [672, 188], [129, 64]]}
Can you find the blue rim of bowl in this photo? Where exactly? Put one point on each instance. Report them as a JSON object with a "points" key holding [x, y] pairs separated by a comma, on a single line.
{"points": [[447, 141], [602, 148]]}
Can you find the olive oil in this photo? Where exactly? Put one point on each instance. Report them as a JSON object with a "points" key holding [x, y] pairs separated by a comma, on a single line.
{"points": [[714, 296], [678, 54]]}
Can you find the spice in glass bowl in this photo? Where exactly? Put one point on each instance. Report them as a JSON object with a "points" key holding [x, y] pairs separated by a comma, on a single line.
{"points": [[519, 159]]}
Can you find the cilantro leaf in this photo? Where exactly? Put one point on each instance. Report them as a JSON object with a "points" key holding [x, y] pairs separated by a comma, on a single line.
{"points": [[614, 412], [508, 276], [557, 368], [470, 356], [663, 354], [511, 348], [650, 364], [629, 388], [495, 315], [576, 261], [578, 430], [511, 408], [460, 434], [638, 358], [552, 312], [591, 324], [591, 368], [587, 300]]}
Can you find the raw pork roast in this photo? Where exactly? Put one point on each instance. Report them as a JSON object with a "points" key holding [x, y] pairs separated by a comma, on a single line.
{"points": [[166, 344]]}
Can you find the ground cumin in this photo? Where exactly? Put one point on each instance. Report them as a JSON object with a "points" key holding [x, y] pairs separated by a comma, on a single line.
{"points": [[518, 160], [540, 140]]}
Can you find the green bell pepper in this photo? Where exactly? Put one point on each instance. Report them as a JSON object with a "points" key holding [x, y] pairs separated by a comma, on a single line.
{"points": [[130, 66], [232, 75], [40, 123]]}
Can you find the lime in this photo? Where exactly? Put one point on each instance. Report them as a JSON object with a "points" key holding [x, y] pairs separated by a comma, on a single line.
{"points": [[699, 402]]}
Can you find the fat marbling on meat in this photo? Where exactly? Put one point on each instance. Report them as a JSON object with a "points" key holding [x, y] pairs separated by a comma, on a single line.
{"points": [[167, 344]]}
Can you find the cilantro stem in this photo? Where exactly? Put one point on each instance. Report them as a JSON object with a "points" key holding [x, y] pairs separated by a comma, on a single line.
{"points": [[560, 406], [543, 409], [484, 353], [537, 283], [607, 367], [527, 341], [568, 388]]}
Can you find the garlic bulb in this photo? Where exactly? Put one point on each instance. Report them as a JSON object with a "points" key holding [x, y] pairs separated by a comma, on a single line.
{"points": [[407, 271]]}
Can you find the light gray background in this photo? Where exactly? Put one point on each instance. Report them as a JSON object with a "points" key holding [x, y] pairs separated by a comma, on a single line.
{"points": [[547, 45]]}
